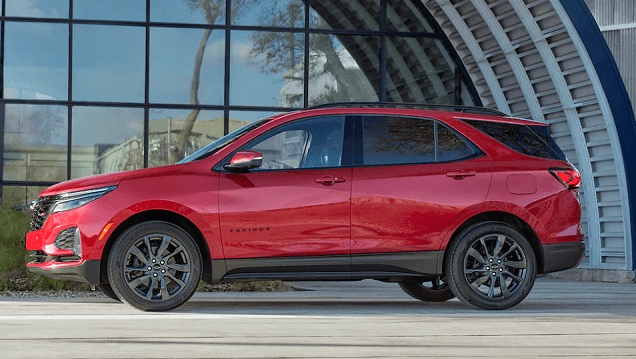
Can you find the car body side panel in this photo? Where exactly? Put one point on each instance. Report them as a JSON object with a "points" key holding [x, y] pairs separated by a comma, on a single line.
{"points": [[285, 213], [407, 208], [192, 195]]}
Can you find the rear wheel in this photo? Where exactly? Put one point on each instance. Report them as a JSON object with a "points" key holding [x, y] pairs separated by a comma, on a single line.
{"points": [[436, 290], [491, 265], [154, 266]]}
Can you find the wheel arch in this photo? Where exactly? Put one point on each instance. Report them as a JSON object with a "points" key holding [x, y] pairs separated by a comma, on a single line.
{"points": [[504, 217], [166, 216]]}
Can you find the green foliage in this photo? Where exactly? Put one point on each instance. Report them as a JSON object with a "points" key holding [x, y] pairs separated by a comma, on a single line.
{"points": [[261, 286], [14, 256]]}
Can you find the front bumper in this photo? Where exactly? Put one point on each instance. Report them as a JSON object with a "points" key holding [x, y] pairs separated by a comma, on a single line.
{"points": [[86, 271], [562, 256]]}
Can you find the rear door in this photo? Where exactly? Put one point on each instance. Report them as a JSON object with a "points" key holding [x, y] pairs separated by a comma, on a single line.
{"points": [[412, 179]]}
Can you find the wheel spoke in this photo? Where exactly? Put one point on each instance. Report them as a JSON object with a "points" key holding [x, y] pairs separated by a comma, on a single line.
{"points": [[515, 246], [474, 270], [134, 269], [164, 289], [147, 242], [483, 243], [514, 277], [139, 254], [176, 251], [135, 283], [504, 287], [501, 240], [516, 264], [152, 286], [479, 281], [179, 281], [165, 242], [179, 267], [473, 253], [491, 290]]}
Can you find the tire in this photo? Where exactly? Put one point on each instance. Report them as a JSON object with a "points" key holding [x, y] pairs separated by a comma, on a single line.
{"points": [[108, 291], [154, 266], [491, 250], [433, 291]]}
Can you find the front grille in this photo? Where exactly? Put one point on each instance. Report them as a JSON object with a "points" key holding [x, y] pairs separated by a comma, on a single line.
{"points": [[38, 256], [40, 211], [65, 239]]}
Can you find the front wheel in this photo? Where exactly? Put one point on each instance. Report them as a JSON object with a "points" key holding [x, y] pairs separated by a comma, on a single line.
{"points": [[491, 265], [154, 266], [436, 290]]}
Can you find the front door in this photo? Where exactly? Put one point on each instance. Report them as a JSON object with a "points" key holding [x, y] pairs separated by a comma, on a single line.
{"points": [[297, 203]]}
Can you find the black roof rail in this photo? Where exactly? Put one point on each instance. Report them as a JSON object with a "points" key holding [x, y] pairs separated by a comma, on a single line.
{"points": [[419, 106]]}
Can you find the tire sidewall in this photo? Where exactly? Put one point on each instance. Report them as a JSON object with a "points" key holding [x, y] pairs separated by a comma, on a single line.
{"points": [[116, 263], [455, 266]]}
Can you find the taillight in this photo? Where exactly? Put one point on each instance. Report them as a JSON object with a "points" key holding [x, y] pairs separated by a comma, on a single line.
{"points": [[568, 177]]}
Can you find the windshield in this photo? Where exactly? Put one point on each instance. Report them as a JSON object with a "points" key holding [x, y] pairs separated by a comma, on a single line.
{"points": [[217, 145]]}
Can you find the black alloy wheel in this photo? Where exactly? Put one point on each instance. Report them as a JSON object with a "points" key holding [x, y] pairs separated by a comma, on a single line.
{"points": [[154, 266], [436, 290], [491, 265]]}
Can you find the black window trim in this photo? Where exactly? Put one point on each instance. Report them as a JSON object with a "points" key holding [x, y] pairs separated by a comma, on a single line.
{"points": [[345, 160], [359, 142]]}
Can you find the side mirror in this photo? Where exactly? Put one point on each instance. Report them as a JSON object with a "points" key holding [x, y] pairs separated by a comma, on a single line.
{"points": [[243, 161]]}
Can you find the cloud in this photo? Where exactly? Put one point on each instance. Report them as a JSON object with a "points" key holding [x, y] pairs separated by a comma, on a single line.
{"points": [[241, 50], [214, 51], [29, 8]]}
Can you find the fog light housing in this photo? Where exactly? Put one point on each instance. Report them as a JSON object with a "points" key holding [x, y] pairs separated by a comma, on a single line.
{"points": [[70, 239]]}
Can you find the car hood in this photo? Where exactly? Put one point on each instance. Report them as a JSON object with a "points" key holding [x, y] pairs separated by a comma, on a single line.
{"points": [[109, 179]]}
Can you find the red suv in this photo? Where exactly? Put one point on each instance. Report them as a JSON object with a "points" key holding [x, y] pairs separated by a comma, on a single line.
{"points": [[444, 200]]}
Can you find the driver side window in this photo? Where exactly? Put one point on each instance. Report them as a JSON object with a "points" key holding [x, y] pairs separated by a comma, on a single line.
{"points": [[314, 143]]}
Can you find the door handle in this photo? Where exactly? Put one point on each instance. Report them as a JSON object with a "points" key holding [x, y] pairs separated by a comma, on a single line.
{"points": [[459, 174], [328, 180]]}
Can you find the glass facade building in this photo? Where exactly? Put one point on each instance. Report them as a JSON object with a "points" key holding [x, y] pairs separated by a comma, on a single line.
{"points": [[92, 87]]}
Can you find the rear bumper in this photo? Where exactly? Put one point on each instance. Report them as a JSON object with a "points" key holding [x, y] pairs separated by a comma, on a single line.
{"points": [[86, 271], [562, 256]]}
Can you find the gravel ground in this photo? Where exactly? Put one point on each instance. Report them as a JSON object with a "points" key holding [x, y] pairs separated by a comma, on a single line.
{"points": [[53, 294]]}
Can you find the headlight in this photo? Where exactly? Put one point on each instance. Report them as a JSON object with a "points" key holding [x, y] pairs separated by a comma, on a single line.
{"points": [[72, 200]]}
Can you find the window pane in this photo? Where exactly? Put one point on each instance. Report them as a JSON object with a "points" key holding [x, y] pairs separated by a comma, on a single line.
{"points": [[122, 10], [108, 63], [187, 11], [343, 14], [106, 139], [266, 68], [240, 119], [395, 140], [343, 68], [35, 143], [449, 146], [36, 61], [37, 8], [172, 62], [20, 197], [315, 143], [405, 16], [419, 70], [166, 130], [280, 13]]}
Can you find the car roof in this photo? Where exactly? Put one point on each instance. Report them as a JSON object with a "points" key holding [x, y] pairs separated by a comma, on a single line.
{"points": [[435, 114]]}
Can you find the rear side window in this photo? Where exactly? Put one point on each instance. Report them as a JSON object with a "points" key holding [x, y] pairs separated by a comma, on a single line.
{"points": [[405, 140], [529, 140]]}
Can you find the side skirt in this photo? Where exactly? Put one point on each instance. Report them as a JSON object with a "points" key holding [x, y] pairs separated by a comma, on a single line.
{"points": [[393, 267]]}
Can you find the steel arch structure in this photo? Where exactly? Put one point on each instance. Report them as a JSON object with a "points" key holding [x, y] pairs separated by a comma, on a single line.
{"points": [[547, 59]]}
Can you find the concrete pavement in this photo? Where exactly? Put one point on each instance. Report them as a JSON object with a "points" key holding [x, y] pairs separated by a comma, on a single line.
{"points": [[364, 319]]}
